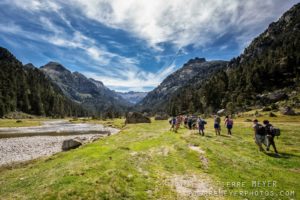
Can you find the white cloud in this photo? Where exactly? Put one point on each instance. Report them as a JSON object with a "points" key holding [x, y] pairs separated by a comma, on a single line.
{"points": [[35, 5], [182, 22], [177, 22]]}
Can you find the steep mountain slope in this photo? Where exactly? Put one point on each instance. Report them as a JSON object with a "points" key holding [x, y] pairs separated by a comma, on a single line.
{"points": [[90, 93], [132, 97], [269, 66], [157, 99], [26, 89]]}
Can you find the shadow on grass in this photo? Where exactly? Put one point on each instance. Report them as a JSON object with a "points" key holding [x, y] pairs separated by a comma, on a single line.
{"points": [[228, 136], [281, 155]]}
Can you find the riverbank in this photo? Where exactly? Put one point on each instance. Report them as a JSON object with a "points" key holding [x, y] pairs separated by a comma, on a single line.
{"points": [[21, 144], [21, 149]]}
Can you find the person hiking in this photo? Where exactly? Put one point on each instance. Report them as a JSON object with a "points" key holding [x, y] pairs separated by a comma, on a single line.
{"points": [[217, 126], [270, 136], [259, 134], [173, 123], [201, 125], [177, 123], [228, 124], [185, 121], [190, 122]]}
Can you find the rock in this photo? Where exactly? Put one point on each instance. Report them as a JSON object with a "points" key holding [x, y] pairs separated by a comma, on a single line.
{"points": [[272, 115], [273, 97], [248, 120], [288, 111], [220, 112], [135, 117], [96, 137], [277, 96], [161, 116], [71, 144], [145, 114]]}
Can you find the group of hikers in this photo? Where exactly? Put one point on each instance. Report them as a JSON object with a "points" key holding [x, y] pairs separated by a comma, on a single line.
{"points": [[263, 134], [193, 122]]}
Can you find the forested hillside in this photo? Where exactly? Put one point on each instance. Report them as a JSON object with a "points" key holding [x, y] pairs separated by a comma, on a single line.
{"points": [[89, 93], [197, 68], [28, 90], [268, 71]]}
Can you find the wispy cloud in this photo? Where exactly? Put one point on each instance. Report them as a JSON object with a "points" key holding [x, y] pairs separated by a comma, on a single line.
{"points": [[166, 28], [182, 23]]}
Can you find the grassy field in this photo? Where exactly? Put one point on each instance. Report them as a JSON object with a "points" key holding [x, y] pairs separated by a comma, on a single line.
{"points": [[147, 161], [20, 122]]}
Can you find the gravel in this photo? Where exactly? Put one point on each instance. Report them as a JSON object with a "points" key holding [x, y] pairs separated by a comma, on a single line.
{"points": [[20, 149]]}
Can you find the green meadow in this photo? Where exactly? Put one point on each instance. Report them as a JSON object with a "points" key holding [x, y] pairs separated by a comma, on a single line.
{"points": [[148, 161]]}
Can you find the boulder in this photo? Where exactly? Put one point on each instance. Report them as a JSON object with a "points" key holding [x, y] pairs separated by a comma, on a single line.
{"points": [[135, 117], [272, 115], [71, 144], [96, 137], [277, 96], [145, 114], [161, 116], [288, 111]]}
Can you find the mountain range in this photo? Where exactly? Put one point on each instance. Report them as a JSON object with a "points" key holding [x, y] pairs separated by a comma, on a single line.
{"points": [[132, 97], [89, 93], [195, 68], [27, 89], [267, 73]]}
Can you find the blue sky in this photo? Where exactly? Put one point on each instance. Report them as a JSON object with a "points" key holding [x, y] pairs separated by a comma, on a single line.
{"points": [[132, 44]]}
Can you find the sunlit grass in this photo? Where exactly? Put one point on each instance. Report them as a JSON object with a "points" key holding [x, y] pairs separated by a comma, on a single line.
{"points": [[138, 162]]}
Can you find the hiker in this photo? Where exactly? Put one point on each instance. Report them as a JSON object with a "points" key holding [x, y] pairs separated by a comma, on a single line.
{"points": [[217, 126], [185, 121], [177, 123], [270, 135], [173, 123], [194, 122], [259, 134], [190, 122], [228, 124], [201, 126]]}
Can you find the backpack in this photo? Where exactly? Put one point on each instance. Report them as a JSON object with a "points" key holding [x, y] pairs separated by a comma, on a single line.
{"points": [[174, 121], [202, 122], [230, 122], [261, 130], [276, 131]]}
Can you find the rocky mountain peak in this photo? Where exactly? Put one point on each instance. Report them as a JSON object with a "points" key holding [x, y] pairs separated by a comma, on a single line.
{"points": [[196, 60], [54, 66], [29, 66]]}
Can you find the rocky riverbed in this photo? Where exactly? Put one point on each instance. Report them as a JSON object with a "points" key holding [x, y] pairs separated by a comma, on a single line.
{"points": [[42, 143]]}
